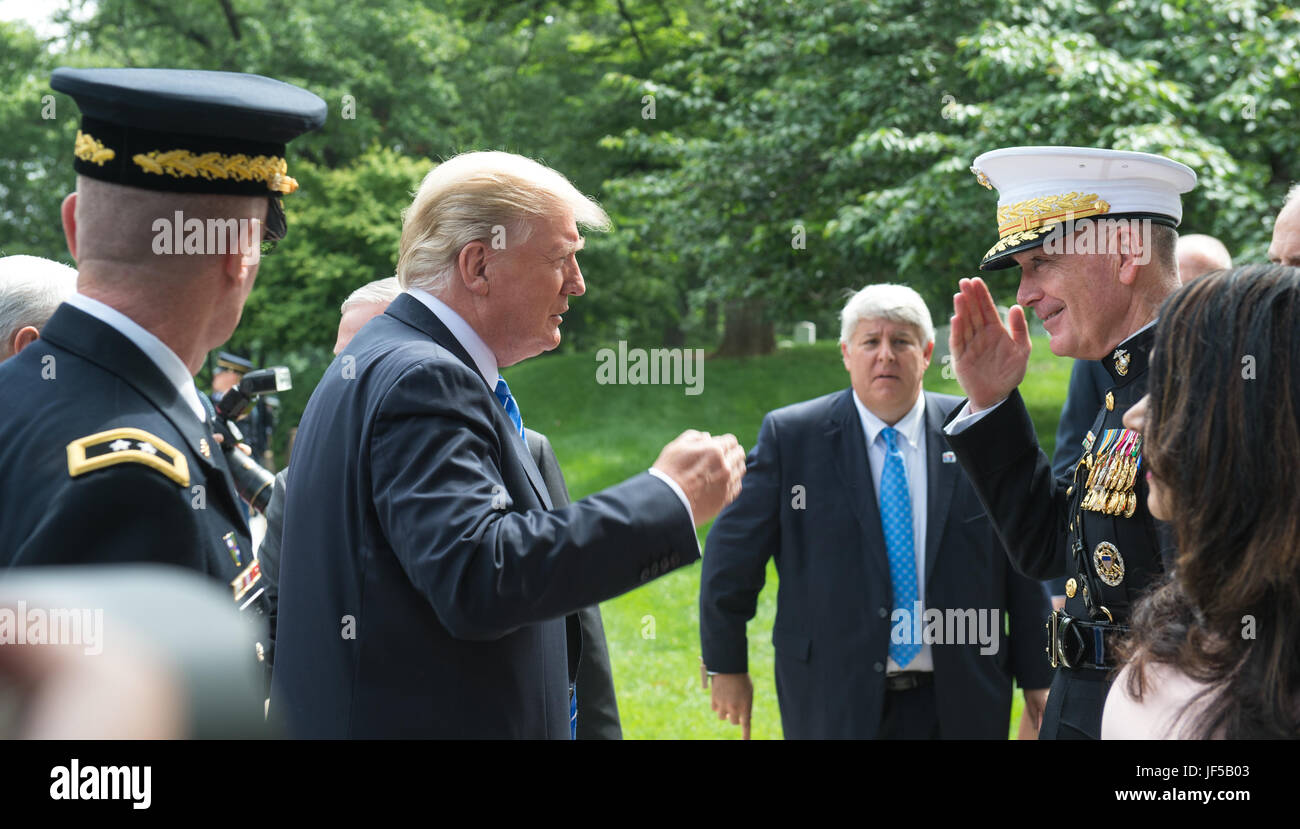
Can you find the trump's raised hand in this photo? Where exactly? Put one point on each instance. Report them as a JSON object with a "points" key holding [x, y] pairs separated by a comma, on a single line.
{"points": [[989, 358], [707, 468]]}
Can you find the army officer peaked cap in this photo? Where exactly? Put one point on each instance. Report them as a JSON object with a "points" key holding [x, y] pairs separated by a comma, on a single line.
{"points": [[1040, 188], [189, 131]]}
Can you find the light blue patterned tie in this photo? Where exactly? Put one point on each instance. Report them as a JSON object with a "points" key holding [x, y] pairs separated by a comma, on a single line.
{"points": [[502, 391], [896, 517]]}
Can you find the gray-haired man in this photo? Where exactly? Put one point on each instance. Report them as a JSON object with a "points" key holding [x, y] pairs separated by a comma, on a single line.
{"points": [[30, 289], [875, 531]]}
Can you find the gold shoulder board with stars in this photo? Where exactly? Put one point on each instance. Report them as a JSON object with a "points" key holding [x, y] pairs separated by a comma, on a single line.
{"points": [[127, 445]]}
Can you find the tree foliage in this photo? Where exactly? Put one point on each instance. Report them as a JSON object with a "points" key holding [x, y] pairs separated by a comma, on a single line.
{"points": [[856, 125], [759, 157]]}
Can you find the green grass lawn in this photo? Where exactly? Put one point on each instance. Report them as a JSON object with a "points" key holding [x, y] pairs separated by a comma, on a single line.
{"points": [[603, 434]]}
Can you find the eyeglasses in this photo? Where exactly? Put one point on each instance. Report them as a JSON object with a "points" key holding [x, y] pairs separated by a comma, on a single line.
{"points": [[270, 240]]}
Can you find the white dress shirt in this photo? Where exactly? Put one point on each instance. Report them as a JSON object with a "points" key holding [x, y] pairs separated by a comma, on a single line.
{"points": [[486, 362], [171, 365], [966, 418], [469, 339], [911, 444]]}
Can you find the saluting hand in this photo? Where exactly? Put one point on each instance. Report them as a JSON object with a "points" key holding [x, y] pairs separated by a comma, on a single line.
{"points": [[989, 358]]}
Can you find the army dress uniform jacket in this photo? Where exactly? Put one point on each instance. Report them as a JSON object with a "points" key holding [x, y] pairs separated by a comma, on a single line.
{"points": [[1111, 557], [101, 461]]}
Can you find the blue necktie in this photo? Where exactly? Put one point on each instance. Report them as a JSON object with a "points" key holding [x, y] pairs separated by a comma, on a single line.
{"points": [[573, 712], [896, 518], [502, 391]]}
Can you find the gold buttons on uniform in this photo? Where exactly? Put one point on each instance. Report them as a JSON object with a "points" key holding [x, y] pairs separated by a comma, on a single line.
{"points": [[203, 448], [1110, 402], [1071, 587]]}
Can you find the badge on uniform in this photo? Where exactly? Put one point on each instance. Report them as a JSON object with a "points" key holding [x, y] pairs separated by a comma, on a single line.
{"points": [[233, 546], [949, 457], [126, 445], [244, 582], [1109, 563], [1122, 360]]}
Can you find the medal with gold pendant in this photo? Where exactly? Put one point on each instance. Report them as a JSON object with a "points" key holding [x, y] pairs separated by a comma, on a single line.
{"points": [[1120, 473], [1104, 458], [1112, 471]]}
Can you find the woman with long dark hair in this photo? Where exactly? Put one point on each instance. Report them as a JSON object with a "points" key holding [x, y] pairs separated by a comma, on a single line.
{"points": [[1214, 652]]}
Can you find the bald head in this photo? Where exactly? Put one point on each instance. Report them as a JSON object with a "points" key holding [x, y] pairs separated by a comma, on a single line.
{"points": [[1199, 254], [1285, 247], [179, 264], [122, 231]]}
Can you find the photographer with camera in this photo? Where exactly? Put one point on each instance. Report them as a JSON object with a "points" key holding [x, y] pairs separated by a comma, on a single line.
{"points": [[257, 422], [253, 483]]}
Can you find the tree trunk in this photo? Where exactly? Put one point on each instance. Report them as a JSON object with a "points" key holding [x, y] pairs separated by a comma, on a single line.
{"points": [[747, 332]]}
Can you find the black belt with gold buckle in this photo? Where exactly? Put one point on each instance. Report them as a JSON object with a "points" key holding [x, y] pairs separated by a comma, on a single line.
{"points": [[1079, 643]]}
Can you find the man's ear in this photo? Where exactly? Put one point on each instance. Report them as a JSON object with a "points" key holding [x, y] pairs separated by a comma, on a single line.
{"points": [[240, 264], [23, 337], [471, 267], [929, 352], [1134, 247], [68, 212]]}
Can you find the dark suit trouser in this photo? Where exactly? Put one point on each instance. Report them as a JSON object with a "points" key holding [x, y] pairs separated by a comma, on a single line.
{"points": [[1074, 705], [910, 715]]}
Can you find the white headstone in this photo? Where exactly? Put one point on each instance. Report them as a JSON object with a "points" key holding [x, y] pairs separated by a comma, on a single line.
{"points": [[805, 333]]}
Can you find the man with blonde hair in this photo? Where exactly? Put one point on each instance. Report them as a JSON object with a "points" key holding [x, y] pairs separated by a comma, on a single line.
{"points": [[876, 532], [426, 578], [30, 289]]}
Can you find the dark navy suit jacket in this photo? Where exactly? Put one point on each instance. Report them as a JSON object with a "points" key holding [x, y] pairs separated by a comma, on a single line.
{"points": [[835, 600], [424, 581]]}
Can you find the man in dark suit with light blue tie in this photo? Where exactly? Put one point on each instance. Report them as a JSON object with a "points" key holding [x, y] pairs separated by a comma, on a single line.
{"points": [[425, 577], [893, 587]]}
